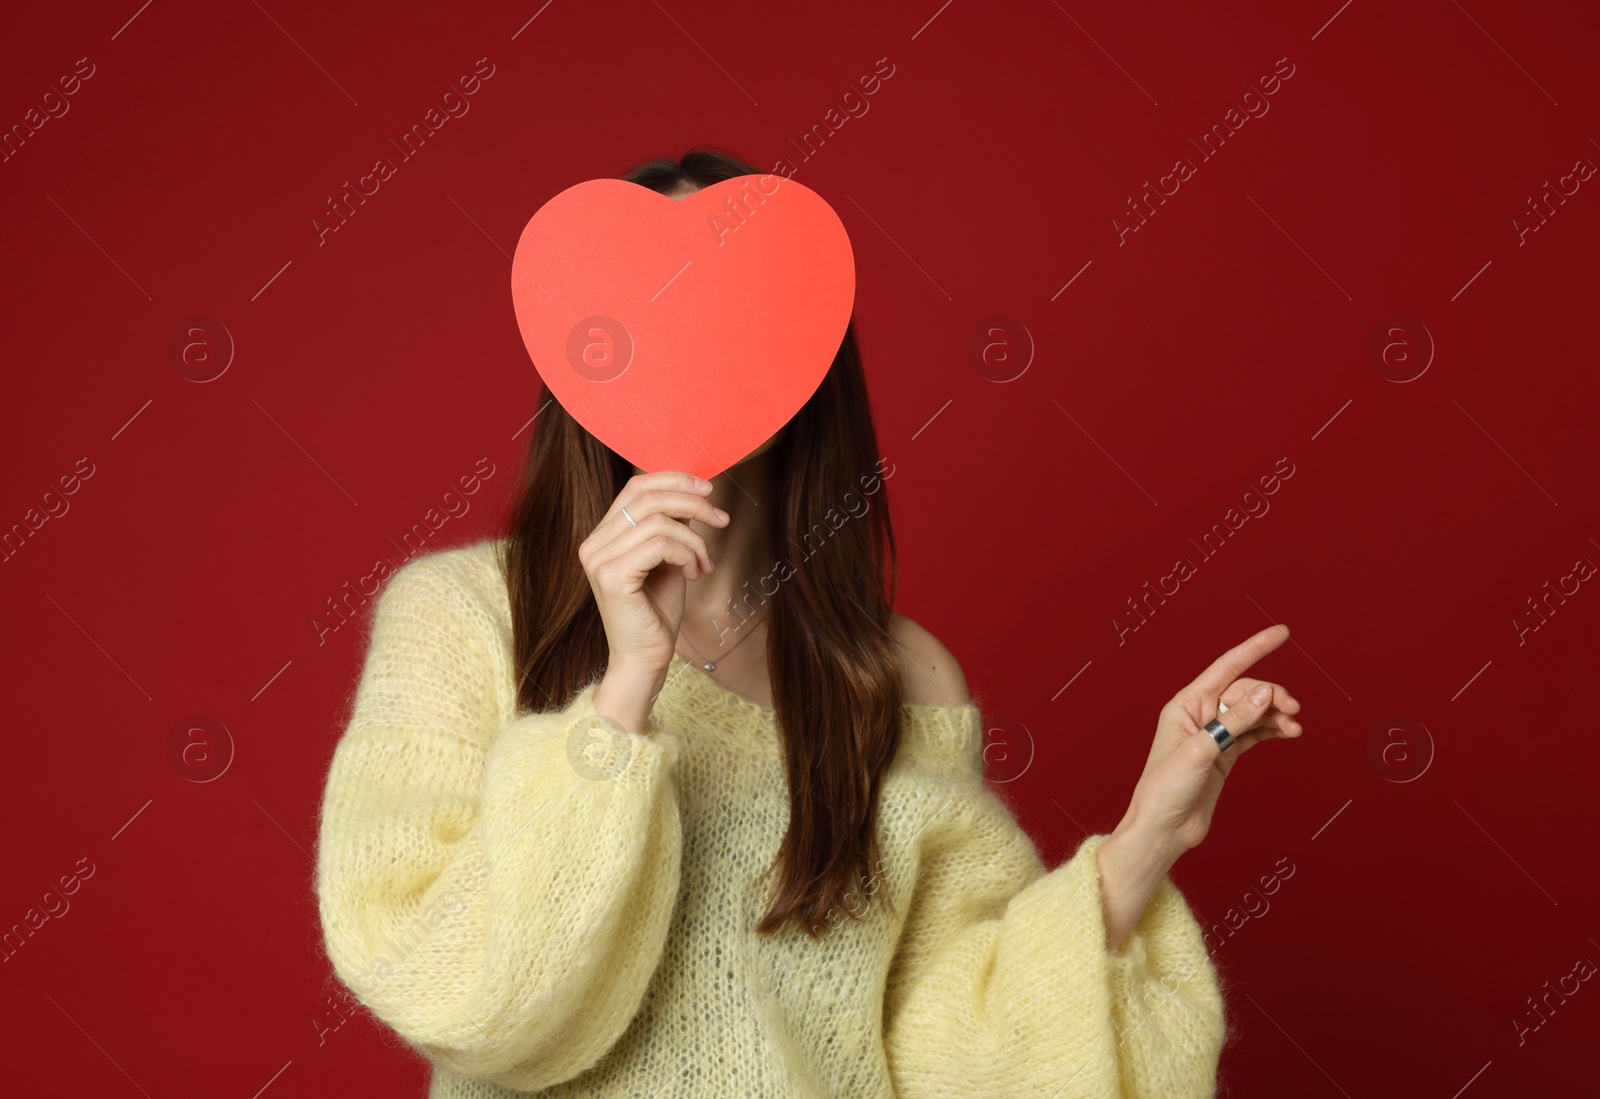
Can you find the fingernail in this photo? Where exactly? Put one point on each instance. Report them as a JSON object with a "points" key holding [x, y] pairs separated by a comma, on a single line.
{"points": [[719, 513], [1260, 694], [702, 484]]}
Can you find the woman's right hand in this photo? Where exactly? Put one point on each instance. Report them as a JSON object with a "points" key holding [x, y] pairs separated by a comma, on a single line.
{"points": [[640, 574]]}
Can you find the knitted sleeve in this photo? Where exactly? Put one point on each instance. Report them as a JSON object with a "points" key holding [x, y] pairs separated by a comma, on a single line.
{"points": [[1002, 984], [496, 891]]}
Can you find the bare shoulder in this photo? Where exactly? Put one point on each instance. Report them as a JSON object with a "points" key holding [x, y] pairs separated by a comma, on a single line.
{"points": [[928, 673]]}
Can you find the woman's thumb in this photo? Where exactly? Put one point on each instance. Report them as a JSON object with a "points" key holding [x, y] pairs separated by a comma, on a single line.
{"points": [[1243, 713]]}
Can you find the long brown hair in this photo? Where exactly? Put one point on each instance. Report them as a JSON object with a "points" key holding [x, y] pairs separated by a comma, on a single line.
{"points": [[834, 670]]}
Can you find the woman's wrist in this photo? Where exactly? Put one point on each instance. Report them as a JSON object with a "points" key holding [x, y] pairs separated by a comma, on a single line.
{"points": [[1133, 860], [626, 698], [1136, 830]]}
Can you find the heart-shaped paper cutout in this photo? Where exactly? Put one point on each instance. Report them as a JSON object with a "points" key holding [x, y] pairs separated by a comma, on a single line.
{"points": [[684, 332]]}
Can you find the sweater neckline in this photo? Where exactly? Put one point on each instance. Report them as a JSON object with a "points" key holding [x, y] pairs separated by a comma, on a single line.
{"points": [[952, 731], [680, 667]]}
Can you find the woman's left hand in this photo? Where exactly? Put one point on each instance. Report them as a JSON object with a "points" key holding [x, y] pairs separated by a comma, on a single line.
{"points": [[1175, 796], [1170, 811]]}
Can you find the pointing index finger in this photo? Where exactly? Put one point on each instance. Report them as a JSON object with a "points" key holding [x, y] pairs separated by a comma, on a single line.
{"points": [[1233, 663]]}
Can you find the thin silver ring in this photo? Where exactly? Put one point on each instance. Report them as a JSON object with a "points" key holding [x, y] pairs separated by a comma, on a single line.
{"points": [[628, 517], [1219, 733]]}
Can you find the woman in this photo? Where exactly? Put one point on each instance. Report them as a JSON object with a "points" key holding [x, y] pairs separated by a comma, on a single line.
{"points": [[584, 835]]}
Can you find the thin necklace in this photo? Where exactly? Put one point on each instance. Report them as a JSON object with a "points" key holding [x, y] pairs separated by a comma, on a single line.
{"points": [[710, 665]]}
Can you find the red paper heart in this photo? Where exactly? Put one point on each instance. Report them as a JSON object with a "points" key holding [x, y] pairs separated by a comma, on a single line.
{"points": [[682, 333]]}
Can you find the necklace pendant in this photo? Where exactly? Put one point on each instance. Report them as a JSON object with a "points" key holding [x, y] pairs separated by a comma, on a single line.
{"points": [[709, 666]]}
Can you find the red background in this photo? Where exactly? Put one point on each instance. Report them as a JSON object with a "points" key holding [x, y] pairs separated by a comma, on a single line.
{"points": [[373, 370]]}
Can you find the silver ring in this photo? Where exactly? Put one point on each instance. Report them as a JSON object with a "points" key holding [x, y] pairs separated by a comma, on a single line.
{"points": [[628, 517], [1219, 733]]}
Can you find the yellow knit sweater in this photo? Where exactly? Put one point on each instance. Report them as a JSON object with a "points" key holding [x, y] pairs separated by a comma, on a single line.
{"points": [[549, 903]]}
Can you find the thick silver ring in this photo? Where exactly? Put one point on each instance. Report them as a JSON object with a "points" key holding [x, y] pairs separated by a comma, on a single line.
{"points": [[628, 517], [1219, 733]]}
